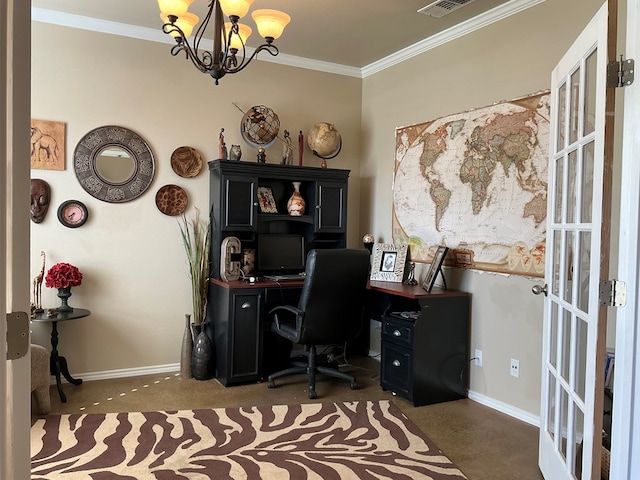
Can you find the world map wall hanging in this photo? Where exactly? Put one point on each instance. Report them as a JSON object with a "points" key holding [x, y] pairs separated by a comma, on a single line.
{"points": [[476, 182]]}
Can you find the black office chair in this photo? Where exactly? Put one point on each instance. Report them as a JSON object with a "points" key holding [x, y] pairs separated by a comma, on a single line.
{"points": [[329, 311]]}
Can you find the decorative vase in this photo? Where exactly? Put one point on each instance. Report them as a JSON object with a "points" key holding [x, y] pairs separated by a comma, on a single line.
{"points": [[64, 294], [186, 352], [296, 204], [202, 356]]}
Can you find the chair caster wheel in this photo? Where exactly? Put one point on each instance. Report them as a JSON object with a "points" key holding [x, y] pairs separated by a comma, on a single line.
{"points": [[271, 384], [312, 394], [354, 385]]}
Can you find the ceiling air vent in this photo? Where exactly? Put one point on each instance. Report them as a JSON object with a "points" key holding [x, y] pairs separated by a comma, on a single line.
{"points": [[443, 7]]}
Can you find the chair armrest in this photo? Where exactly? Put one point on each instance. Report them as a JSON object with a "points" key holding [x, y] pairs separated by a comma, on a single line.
{"points": [[295, 314]]}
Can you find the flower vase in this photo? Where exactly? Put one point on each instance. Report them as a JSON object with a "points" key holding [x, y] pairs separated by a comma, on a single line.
{"points": [[296, 204], [202, 356], [187, 349], [64, 294]]}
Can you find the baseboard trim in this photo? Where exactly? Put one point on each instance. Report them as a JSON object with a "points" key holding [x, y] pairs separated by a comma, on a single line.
{"points": [[492, 403], [505, 408], [125, 372]]}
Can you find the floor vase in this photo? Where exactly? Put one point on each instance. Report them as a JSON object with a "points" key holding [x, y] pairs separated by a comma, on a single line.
{"points": [[202, 356], [186, 351]]}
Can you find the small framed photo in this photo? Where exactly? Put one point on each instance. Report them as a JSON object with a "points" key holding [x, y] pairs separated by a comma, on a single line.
{"points": [[388, 262], [436, 264], [266, 200]]}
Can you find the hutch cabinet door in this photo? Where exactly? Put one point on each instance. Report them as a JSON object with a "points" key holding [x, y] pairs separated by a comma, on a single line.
{"points": [[239, 203], [331, 207]]}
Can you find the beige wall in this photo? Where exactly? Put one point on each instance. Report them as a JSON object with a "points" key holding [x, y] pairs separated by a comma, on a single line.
{"points": [[135, 275], [511, 58]]}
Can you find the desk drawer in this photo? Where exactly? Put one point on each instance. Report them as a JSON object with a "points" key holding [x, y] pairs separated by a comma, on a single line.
{"points": [[396, 369], [397, 331]]}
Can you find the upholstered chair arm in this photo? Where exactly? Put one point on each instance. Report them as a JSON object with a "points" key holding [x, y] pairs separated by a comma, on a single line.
{"points": [[287, 319]]}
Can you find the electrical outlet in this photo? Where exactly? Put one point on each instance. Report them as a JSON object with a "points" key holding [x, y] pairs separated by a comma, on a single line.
{"points": [[515, 367], [478, 358]]}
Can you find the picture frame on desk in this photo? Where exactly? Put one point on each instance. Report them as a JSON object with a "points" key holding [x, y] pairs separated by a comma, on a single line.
{"points": [[436, 265], [388, 262], [266, 200]]}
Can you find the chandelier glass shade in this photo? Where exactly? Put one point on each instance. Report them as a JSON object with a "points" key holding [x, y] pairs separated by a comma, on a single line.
{"points": [[229, 53]]}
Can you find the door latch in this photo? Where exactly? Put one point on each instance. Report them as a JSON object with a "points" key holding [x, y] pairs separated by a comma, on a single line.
{"points": [[17, 335]]}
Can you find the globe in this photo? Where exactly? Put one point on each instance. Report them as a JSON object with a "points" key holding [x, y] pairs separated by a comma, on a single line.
{"points": [[260, 126], [324, 140]]}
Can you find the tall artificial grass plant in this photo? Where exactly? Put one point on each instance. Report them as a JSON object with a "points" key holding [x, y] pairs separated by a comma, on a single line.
{"points": [[196, 237]]}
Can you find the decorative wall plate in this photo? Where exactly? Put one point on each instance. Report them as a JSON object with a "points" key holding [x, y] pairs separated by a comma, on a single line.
{"points": [[186, 161], [171, 200], [72, 213]]}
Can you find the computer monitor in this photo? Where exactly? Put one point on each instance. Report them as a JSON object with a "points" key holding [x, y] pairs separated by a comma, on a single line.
{"points": [[280, 253]]}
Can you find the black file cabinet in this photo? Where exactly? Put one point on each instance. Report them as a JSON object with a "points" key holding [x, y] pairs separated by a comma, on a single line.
{"points": [[426, 360]]}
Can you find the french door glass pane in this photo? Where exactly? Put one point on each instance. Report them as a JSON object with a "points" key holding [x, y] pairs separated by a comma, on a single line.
{"points": [[574, 106], [578, 431], [553, 336], [555, 281], [590, 73], [569, 270], [587, 182], [562, 110], [557, 216], [572, 167], [584, 247], [581, 358], [551, 401], [565, 353], [564, 409]]}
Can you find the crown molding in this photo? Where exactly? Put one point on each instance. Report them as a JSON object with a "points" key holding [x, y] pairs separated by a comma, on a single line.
{"points": [[55, 17], [63, 19], [494, 15]]}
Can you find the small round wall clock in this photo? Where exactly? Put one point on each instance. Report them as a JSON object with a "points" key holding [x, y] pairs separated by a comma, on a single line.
{"points": [[73, 213]]}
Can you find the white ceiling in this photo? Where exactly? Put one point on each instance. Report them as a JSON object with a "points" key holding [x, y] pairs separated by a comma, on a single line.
{"points": [[353, 33]]}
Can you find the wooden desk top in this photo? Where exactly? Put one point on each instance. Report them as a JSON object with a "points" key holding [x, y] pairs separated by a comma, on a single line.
{"points": [[412, 291], [259, 284]]}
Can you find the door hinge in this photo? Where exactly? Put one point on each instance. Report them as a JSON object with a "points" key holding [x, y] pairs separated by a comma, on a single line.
{"points": [[17, 335], [613, 293], [620, 74]]}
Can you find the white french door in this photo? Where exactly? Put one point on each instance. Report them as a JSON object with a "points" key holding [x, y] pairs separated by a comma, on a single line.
{"points": [[571, 418], [15, 106]]}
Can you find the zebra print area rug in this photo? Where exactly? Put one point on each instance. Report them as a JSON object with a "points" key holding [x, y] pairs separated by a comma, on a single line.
{"points": [[355, 440]]}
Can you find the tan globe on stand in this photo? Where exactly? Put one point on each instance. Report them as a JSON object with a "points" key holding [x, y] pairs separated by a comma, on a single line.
{"points": [[324, 141]]}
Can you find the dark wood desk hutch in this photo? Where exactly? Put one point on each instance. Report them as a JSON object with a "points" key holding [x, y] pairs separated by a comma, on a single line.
{"points": [[236, 310]]}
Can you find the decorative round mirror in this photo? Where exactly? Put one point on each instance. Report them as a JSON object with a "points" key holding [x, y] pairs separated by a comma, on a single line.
{"points": [[114, 164]]}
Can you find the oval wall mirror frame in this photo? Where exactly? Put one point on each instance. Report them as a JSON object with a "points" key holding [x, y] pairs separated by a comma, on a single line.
{"points": [[114, 164]]}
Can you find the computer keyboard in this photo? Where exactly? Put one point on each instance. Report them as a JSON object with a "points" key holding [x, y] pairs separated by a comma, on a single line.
{"points": [[285, 277]]}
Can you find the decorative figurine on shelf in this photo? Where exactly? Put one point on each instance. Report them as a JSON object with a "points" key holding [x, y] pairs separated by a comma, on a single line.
{"points": [[37, 288], [287, 149], [222, 147], [235, 153], [368, 242], [411, 278], [262, 157], [300, 147]]}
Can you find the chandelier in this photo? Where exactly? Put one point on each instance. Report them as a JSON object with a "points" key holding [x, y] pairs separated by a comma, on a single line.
{"points": [[229, 53]]}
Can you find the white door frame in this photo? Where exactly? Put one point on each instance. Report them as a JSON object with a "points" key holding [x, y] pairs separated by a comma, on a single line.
{"points": [[15, 113], [626, 422]]}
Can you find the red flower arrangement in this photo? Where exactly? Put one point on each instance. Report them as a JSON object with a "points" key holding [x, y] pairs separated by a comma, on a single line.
{"points": [[63, 275]]}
